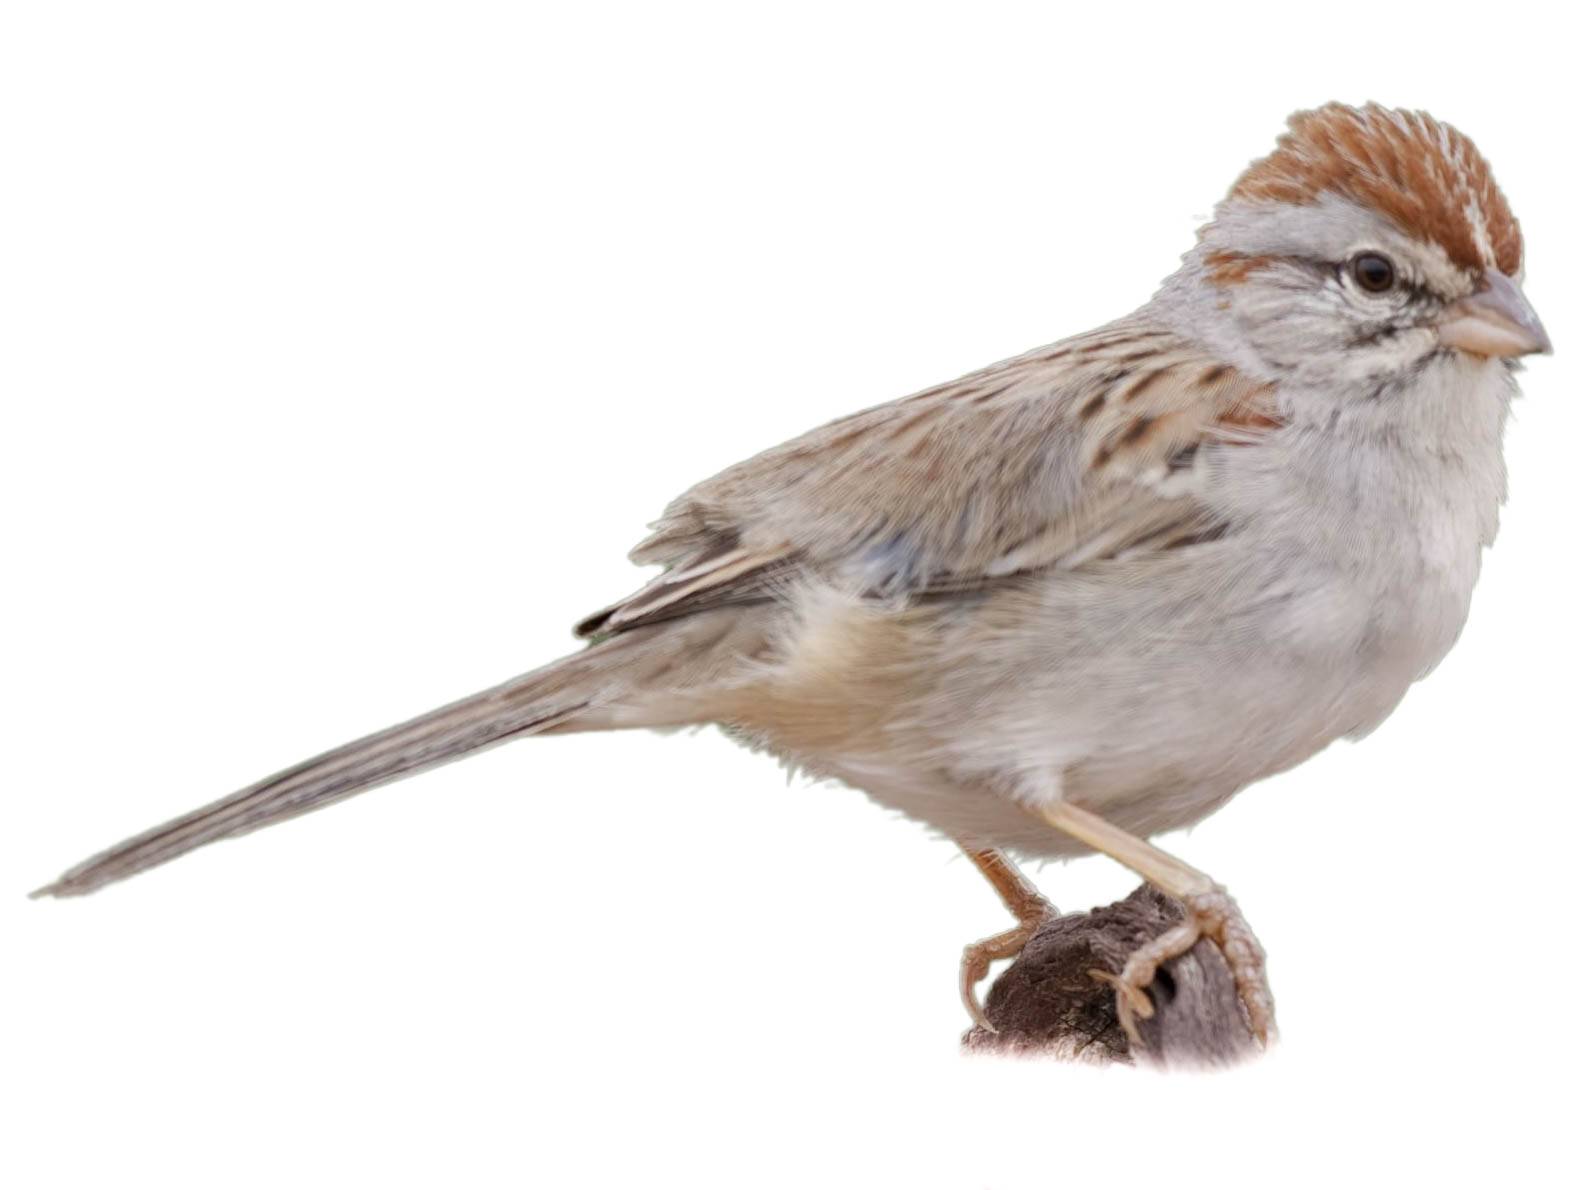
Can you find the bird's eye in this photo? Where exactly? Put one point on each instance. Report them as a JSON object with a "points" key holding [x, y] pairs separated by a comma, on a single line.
{"points": [[1373, 271]]}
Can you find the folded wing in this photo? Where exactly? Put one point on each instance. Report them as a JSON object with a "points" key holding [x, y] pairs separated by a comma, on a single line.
{"points": [[1078, 451]]}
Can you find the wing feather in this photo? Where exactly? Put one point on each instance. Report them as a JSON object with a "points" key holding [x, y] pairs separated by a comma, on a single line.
{"points": [[1068, 454]]}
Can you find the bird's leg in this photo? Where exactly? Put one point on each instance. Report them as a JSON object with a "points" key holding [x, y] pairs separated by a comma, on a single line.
{"points": [[1029, 908], [1210, 913]]}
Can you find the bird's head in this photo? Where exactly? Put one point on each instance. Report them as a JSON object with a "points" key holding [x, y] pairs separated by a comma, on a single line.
{"points": [[1369, 245]]}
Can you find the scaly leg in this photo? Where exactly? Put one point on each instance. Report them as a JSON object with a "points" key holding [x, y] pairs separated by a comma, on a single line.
{"points": [[1210, 913], [1029, 908]]}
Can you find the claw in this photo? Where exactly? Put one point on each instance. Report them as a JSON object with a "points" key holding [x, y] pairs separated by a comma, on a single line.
{"points": [[978, 1017], [1217, 917], [1129, 1004], [979, 957], [1212, 915], [1140, 1003], [972, 970]]}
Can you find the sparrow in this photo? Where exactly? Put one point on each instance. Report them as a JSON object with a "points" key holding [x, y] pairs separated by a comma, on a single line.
{"points": [[1083, 596]]}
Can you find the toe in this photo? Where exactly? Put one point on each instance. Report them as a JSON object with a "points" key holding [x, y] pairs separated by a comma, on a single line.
{"points": [[972, 970]]}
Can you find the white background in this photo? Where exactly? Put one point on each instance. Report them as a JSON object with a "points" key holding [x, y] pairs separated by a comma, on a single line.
{"points": [[346, 350]]}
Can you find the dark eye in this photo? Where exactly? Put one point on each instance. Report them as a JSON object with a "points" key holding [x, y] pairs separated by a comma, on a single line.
{"points": [[1373, 271]]}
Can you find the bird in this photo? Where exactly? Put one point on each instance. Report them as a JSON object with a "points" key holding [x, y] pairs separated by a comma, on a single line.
{"points": [[1083, 596]]}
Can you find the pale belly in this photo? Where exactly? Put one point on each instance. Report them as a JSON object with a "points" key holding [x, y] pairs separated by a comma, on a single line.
{"points": [[1152, 710]]}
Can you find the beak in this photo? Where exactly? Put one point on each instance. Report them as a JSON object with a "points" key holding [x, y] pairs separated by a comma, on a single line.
{"points": [[1496, 320]]}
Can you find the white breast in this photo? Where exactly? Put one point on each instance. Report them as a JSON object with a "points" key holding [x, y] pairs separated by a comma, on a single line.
{"points": [[1349, 578], [1396, 498]]}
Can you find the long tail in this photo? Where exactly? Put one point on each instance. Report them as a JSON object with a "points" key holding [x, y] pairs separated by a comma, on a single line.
{"points": [[552, 697]]}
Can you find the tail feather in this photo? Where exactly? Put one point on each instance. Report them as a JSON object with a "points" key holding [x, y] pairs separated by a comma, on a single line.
{"points": [[540, 701]]}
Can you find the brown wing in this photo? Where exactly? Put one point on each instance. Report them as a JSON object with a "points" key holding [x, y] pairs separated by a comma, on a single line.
{"points": [[1054, 458]]}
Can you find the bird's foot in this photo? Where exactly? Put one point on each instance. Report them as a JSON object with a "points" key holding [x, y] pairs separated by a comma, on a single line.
{"points": [[979, 957], [1213, 915]]}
